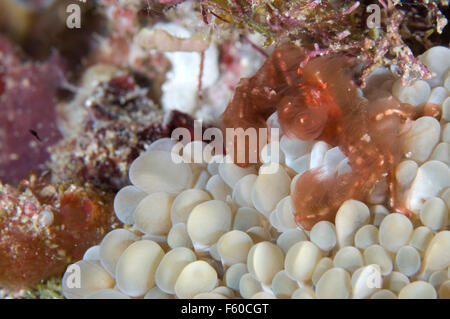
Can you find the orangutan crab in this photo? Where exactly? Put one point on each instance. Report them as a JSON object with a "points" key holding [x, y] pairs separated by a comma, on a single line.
{"points": [[320, 101]]}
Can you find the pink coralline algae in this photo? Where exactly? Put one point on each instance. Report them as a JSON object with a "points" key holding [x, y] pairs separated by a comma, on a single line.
{"points": [[27, 112]]}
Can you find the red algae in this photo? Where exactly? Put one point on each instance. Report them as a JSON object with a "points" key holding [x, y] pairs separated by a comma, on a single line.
{"points": [[45, 227], [320, 101], [27, 102]]}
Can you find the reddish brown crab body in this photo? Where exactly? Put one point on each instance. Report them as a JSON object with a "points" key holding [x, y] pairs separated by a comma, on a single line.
{"points": [[321, 102]]}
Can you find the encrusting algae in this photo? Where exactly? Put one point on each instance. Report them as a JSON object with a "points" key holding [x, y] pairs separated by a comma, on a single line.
{"points": [[40, 222]]}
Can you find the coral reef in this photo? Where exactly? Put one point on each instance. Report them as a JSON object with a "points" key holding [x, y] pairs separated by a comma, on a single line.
{"points": [[119, 121], [80, 149], [116, 121], [235, 228], [84, 129]]}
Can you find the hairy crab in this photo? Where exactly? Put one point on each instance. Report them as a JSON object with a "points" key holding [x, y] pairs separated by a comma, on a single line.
{"points": [[317, 99]]}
